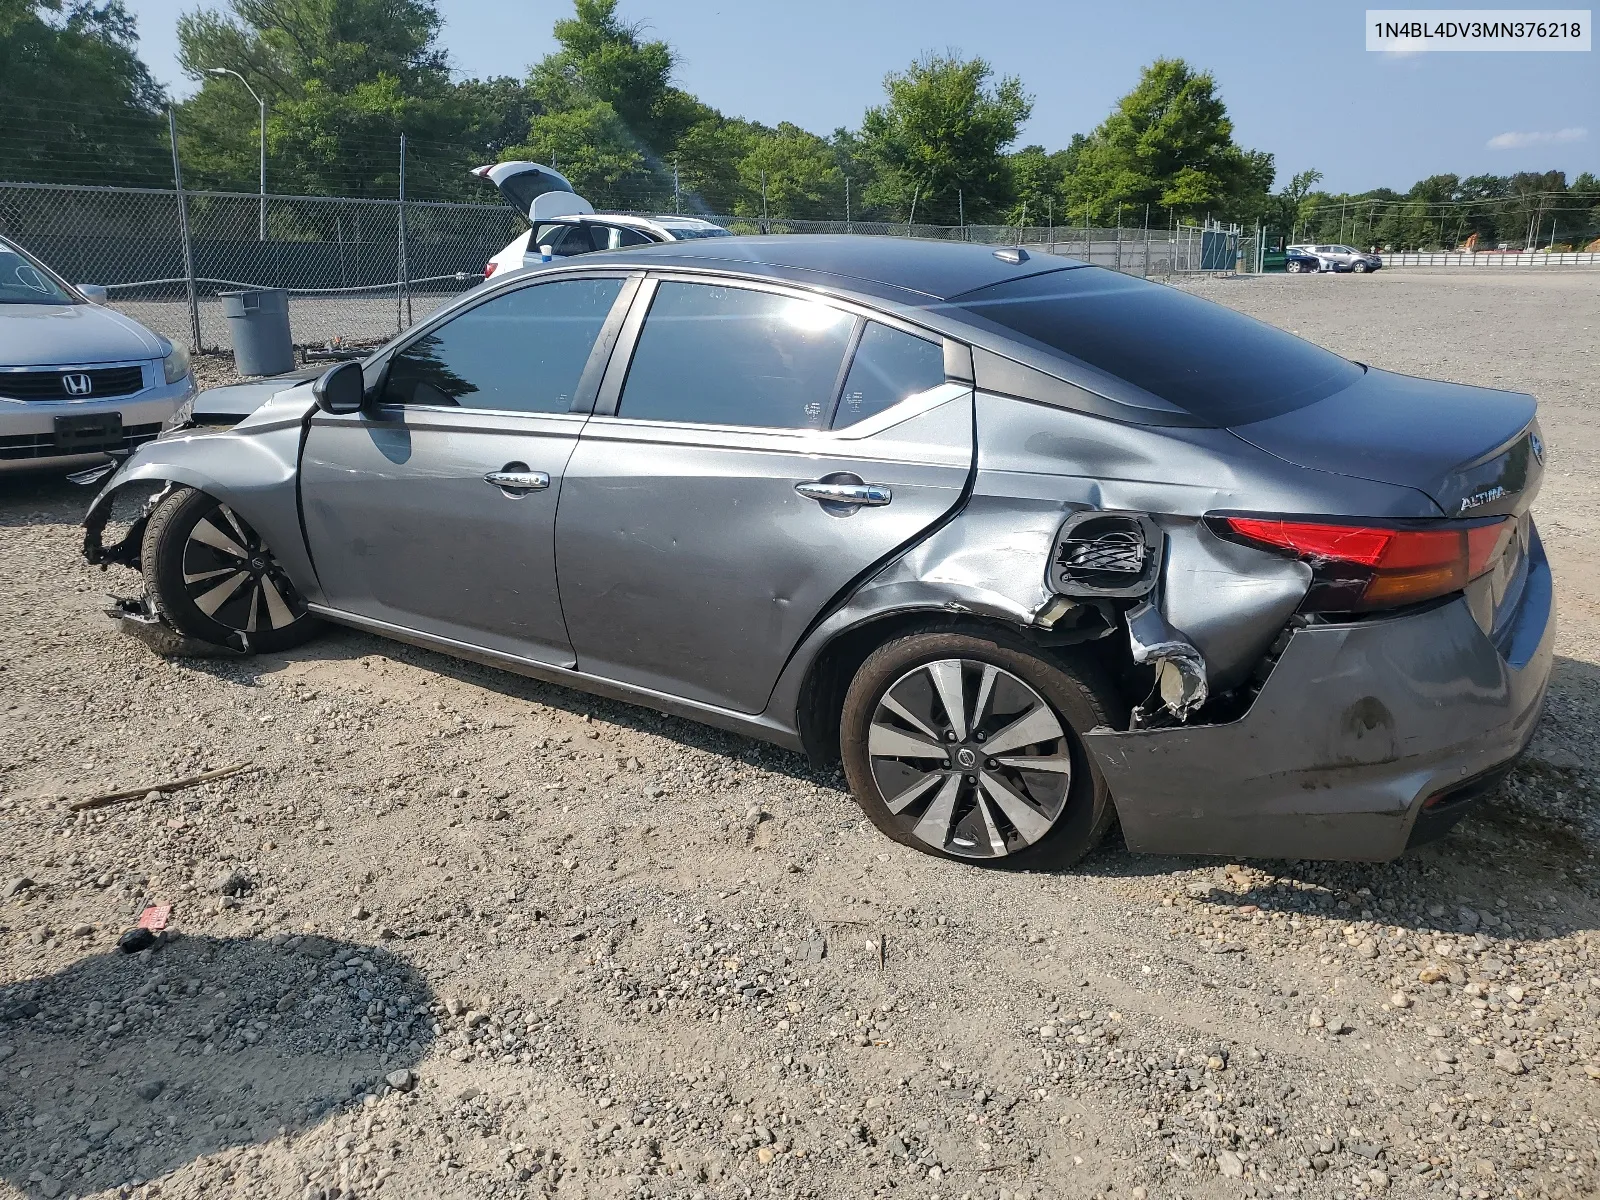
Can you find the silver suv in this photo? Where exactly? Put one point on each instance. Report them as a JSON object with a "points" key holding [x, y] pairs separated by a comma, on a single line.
{"points": [[1337, 257]]}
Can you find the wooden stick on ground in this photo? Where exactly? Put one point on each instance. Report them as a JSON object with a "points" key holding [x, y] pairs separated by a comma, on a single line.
{"points": [[174, 785]]}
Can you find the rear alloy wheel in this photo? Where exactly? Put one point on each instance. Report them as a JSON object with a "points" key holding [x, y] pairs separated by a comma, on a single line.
{"points": [[214, 578], [967, 747]]}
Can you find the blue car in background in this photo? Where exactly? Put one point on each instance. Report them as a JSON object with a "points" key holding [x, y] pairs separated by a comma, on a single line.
{"points": [[1298, 262]]}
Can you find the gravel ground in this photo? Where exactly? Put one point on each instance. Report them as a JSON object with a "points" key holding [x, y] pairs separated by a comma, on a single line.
{"points": [[453, 933]]}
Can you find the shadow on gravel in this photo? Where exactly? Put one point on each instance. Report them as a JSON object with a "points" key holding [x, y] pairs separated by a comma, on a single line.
{"points": [[347, 645], [120, 1068]]}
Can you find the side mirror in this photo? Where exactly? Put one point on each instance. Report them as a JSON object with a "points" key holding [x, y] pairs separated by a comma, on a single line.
{"points": [[94, 293], [341, 389]]}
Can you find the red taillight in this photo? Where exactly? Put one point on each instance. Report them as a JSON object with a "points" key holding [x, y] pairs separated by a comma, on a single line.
{"points": [[1362, 567], [489, 268]]}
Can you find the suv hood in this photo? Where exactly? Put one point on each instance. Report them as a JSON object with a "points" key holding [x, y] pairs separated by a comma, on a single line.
{"points": [[62, 335], [1475, 451]]}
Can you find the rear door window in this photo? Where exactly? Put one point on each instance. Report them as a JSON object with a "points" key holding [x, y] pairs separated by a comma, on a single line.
{"points": [[1209, 361], [523, 351], [888, 367], [715, 355]]}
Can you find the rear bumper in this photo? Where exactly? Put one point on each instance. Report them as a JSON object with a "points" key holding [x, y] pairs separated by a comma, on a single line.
{"points": [[1357, 727]]}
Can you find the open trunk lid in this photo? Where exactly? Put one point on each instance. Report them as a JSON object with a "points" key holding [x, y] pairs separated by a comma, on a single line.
{"points": [[536, 191], [1476, 452]]}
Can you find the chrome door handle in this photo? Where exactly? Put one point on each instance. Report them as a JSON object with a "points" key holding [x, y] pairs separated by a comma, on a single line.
{"points": [[518, 481], [868, 495]]}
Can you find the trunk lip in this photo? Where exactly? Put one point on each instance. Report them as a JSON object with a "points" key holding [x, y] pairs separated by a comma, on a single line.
{"points": [[1452, 442]]}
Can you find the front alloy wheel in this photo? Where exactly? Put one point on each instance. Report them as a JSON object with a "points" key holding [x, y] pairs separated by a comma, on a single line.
{"points": [[214, 577], [966, 747]]}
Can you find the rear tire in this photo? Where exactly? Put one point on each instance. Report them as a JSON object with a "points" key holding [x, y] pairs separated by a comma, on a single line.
{"points": [[961, 787], [215, 579]]}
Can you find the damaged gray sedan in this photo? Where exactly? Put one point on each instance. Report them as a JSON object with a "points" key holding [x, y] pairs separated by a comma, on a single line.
{"points": [[1028, 545]]}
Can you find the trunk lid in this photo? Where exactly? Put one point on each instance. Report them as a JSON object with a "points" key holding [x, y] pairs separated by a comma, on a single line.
{"points": [[534, 190], [1476, 452]]}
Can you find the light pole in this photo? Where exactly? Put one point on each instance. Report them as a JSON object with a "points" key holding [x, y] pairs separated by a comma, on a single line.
{"points": [[262, 105]]}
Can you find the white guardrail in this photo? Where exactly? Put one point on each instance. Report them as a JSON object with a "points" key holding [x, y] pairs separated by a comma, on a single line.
{"points": [[1488, 258]]}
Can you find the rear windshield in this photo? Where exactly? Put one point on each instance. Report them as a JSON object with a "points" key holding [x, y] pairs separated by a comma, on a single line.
{"points": [[1214, 363]]}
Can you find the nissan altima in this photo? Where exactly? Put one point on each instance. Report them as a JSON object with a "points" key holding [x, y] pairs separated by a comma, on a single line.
{"points": [[1027, 545]]}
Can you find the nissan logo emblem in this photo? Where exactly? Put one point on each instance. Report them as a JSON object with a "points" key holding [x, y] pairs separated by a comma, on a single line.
{"points": [[966, 758], [78, 384]]}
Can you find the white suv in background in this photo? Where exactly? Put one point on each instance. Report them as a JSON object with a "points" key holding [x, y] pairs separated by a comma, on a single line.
{"points": [[564, 223]]}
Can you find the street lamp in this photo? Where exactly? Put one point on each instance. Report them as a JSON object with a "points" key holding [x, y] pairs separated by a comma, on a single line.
{"points": [[262, 104]]}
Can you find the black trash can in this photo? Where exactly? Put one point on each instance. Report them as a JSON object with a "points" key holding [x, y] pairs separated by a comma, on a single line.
{"points": [[258, 324]]}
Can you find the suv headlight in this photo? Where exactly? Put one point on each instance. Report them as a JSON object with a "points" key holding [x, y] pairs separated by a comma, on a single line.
{"points": [[175, 365]]}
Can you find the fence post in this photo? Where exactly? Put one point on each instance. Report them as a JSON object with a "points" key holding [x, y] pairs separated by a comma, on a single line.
{"points": [[402, 290], [183, 233]]}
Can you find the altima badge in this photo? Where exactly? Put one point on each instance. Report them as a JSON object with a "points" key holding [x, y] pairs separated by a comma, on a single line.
{"points": [[1495, 493]]}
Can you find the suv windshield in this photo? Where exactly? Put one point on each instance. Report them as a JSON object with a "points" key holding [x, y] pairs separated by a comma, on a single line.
{"points": [[23, 282], [1214, 363]]}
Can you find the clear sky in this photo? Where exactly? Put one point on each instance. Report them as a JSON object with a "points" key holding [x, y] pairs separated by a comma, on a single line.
{"points": [[1296, 76]]}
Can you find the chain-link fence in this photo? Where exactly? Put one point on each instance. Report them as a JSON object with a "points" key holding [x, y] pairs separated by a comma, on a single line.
{"points": [[358, 271]]}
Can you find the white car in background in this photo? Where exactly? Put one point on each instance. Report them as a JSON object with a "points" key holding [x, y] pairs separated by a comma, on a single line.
{"points": [[564, 223], [78, 382]]}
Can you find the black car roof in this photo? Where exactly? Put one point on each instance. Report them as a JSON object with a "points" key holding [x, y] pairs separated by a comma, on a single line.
{"points": [[936, 270]]}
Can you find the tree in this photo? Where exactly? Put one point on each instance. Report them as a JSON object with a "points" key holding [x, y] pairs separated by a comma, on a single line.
{"points": [[603, 60], [79, 105], [801, 175], [1036, 177], [342, 80], [1169, 144], [1286, 215], [593, 146], [940, 140]]}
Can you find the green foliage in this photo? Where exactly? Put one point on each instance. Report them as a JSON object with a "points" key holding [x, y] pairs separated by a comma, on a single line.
{"points": [[1037, 177], [603, 60], [593, 146], [1169, 144], [940, 140], [801, 175], [79, 105], [342, 80], [1446, 212]]}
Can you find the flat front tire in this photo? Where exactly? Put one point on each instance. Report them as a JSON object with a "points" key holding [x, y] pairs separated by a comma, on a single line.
{"points": [[969, 746], [214, 578]]}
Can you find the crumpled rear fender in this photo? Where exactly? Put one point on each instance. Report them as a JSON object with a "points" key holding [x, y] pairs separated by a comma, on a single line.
{"points": [[253, 474]]}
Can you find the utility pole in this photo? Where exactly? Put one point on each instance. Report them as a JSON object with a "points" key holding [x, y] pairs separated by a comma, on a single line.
{"points": [[961, 211], [1022, 225], [183, 232], [847, 204], [763, 202], [262, 105], [676, 206], [911, 220], [402, 288]]}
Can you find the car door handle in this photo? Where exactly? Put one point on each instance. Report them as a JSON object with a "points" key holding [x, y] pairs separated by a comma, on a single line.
{"points": [[518, 481], [868, 495]]}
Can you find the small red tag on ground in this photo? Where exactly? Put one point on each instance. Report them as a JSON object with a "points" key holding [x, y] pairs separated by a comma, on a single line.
{"points": [[155, 917]]}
